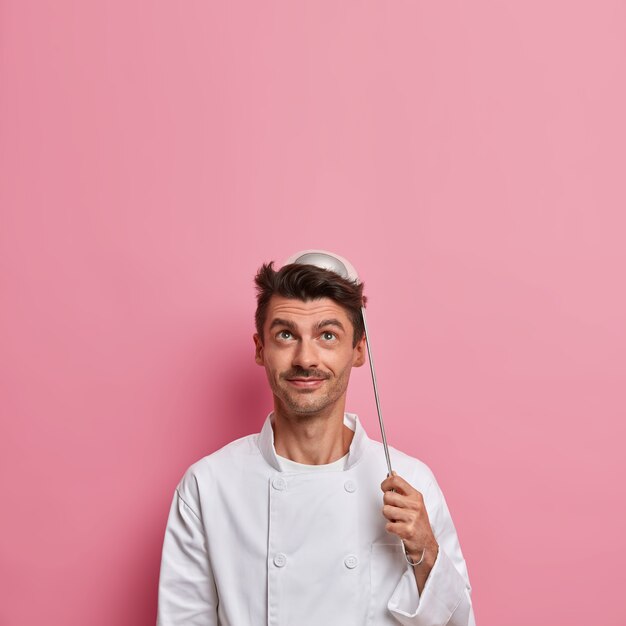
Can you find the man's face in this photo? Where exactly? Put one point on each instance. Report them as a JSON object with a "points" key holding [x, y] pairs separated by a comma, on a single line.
{"points": [[307, 354]]}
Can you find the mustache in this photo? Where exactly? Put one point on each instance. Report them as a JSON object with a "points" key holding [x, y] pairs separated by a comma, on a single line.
{"points": [[298, 372]]}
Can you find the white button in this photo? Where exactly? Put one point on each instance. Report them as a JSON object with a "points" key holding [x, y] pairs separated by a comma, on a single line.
{"points": [[350, 486], [280, 560], [279, 483], [351, 561]]}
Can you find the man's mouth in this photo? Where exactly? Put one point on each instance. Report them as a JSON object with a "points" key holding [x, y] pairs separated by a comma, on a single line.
{"points": [[306, 383]]}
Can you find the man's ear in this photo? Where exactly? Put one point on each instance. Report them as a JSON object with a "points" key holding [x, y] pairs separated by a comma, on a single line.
{"points": [[258, 353], [360, 352]]}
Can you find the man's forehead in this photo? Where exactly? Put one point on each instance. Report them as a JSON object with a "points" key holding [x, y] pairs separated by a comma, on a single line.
{"points": [[304, 310]]}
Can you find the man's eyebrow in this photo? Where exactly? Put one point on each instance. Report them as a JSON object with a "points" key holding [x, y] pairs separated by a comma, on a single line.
{"points": [[277, 321], [331, 322]]}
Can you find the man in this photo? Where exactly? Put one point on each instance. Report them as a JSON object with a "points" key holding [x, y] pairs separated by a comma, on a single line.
{"points": [[293, 526]]}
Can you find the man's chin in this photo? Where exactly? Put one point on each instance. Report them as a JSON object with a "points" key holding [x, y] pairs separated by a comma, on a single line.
{"points": [[305, 409]]}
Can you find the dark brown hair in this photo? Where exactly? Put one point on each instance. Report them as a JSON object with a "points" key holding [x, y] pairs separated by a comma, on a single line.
{"points": [[308, 282]]}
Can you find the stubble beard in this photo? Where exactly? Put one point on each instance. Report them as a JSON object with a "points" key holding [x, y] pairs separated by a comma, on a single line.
{"points": [[304, 403]]}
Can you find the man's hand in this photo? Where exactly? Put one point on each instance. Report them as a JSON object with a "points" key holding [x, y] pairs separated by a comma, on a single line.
{"points": [[407, 518]]}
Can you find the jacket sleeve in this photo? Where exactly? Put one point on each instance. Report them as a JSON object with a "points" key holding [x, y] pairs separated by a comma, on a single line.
{"points": [[446, 596], [187, 593]]}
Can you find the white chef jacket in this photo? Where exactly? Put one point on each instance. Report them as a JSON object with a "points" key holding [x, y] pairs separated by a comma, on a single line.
{"points": [[248, 544]]}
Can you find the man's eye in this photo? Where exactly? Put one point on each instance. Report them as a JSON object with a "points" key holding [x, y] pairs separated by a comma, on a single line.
{"points": [[328, 336], [284, 334]]}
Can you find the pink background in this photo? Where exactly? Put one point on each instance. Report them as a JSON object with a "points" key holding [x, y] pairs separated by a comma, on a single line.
{"points": [[467, 157]]}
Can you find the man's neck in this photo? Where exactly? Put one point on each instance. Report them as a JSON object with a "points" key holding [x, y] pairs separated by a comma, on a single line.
{"points": [[311, 439]]}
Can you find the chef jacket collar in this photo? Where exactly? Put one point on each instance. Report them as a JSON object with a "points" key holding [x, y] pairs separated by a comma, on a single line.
{"points": [[351, 420]]}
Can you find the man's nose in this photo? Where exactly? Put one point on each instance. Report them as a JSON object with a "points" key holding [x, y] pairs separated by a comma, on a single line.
{"points": [[306, 355]]}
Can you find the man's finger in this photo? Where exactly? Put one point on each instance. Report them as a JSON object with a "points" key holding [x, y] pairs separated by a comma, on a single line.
{"points": [[397, 499], [396, 513], [398, 484], [399, 529]]}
